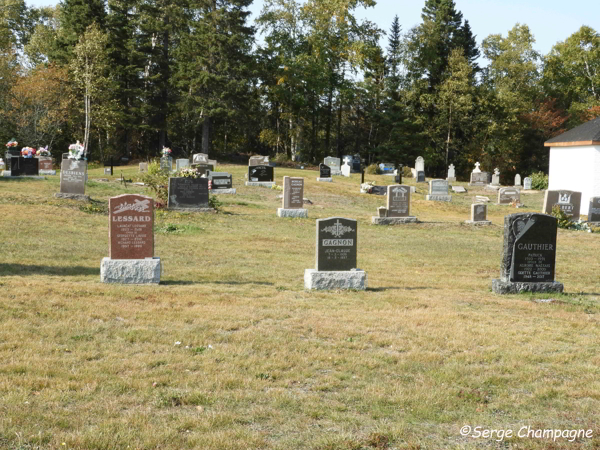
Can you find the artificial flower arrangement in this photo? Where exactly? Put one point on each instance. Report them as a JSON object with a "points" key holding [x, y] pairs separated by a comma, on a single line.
{"points": [[189, 173], [166, 151], [28, 152], [76, 151], [12, 143], [43, 151]]}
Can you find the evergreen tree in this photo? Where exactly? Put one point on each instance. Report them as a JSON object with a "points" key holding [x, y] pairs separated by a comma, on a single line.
{"points": [[394, 56]]}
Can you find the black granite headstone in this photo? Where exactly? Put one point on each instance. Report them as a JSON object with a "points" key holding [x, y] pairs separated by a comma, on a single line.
{"points": [[187, 192], [421, 177], [594, 210], [529, 248], [220, 180], [336, 244], [24, 166], [324, 171], [379, 190], [260, 173]]}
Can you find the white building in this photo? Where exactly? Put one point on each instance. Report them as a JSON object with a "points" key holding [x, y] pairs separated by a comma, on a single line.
{"points": [[575, 162]]}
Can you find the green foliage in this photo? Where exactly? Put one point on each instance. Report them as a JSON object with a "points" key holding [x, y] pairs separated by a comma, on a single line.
{"points": [[158, 181], [563, 220], [539, 181], [406, 172], [373, 169], [214, 202]]}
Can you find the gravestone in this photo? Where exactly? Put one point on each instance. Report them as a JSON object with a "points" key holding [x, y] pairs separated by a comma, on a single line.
{"points": [[420, 164], [451, 173], [324, 173], [517, 180], [568, 201], [143, 167], [336, 253], [258, 161], [346, 169], [293, 198], [181, 163], [166, 163], [421, 177], [479, 178], [527, 184], [131, 242], [477, 168], [459, 189], [529, 255], [478, 215], [334, 164], [45, 165], [20, 166], [73, 175], [199, 158], [213, 163], [438, 191], [221, 182], [378, 190], [507, 196], [260, 176], [397, 210], [594, 211], [189, 194], [107, 171], [496, 178]]}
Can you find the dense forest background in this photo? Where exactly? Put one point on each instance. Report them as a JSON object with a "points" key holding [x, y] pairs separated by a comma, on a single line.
{"points": [[127, 77]]}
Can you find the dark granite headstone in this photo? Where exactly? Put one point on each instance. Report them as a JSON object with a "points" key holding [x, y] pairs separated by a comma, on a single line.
{"points": [[293, 193], [594, 211], [336, 244], [398, 201], [421, 177], [73, 176], [260, 173], [529, 248], [568, 201], [131, 223], [220, 180], [324, 171], [508, 195], [24, 166], [188, 193], [378, 190], [478, 212]]}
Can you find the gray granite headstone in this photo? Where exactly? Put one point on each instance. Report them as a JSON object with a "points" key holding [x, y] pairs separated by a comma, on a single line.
{"points": [[568, 201], [166, 163], [594, 211], [527, 184], [260, 174], [334, 164], [200, 158], [508, 195], [438, 187], [459, 189], [479, 178], [188, 193], [293, 192], [398, 201], [336, 244], [258, 161], [143, 167], [181, 163], [73, 174], [478, 212]]}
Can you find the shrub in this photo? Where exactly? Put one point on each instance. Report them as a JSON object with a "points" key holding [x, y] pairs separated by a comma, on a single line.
{"points": [[539, 181], [563, 220], [373, 169], [158, 181], [281, 158], [406, 172]]}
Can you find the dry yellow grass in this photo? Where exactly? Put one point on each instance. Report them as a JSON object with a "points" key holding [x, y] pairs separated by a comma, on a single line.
{"points": [[263, 364]]}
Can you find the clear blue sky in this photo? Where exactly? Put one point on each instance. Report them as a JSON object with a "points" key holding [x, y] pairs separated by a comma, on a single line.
{"points": [[550, 21]]}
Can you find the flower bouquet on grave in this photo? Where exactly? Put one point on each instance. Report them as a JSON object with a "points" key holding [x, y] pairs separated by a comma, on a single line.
{"points": [[166, 151], [43, 151], [366, 188], [189, 173], [76, 151], [28, 152], [12, 143]]}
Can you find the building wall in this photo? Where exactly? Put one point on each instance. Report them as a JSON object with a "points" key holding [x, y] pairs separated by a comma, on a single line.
{"points": [[576, 169]]}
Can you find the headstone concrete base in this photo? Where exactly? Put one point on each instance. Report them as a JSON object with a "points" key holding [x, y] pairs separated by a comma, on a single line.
{"points": [[393, 220], [47, 172], [511, 287], [325, 180], [297, 212], [479, 223], [594, 224], [491, 187], [451, 179], [231, 191], [267, 184], [7, 173], [336, 172], [439, 198], [130, 271], [330, 281], [200, 210], [80, 197]]}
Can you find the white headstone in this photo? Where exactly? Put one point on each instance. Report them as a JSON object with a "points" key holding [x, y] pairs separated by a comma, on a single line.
{"points": [[527, 184], [346, 169], [451, 173], [420, 164], [477, 169], [496, 177], [517, 180]]}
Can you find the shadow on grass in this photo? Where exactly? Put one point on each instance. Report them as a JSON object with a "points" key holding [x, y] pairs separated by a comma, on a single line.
{"points": [[26, 270], [233, 283], [396, 288]]}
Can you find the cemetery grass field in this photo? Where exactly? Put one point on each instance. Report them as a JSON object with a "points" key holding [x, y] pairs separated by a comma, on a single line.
{"points": [[230, 351]]}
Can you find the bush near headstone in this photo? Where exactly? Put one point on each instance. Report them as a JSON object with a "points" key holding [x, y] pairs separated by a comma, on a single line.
{"points": [[539, 181]]}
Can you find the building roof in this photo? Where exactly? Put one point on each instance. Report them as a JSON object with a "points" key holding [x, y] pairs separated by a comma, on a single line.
{"points": [[586, 134]]}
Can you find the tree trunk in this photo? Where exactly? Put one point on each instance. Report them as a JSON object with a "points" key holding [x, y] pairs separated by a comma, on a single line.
{"points": [[206, 129], [328, 125]]}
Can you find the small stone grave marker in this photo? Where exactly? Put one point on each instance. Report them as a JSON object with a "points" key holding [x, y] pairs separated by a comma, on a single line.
{"points": [[527, 184], [508, 195]]}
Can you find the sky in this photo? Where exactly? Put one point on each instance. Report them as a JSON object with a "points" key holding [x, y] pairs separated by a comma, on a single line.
{"points": [[550, 21]]}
